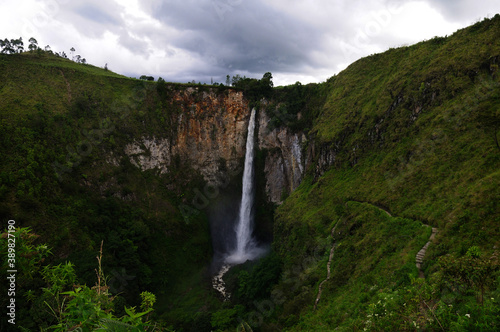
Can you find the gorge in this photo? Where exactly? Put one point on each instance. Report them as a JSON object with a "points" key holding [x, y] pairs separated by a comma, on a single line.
{"points": [[246, 246], [179, 182]]}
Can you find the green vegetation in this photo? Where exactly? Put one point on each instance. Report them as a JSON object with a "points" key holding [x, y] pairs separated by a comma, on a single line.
{"points": [[296, 106], [59, 121], [413, 130], [69, 305], [253, 88], [398, 143]]}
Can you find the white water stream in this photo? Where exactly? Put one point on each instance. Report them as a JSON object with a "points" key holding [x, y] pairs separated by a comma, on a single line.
{"points": [[246, 247]]}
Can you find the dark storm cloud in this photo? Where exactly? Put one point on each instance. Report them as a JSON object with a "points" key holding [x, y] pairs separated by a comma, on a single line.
{"points": [[201, 40], [240, 36]]}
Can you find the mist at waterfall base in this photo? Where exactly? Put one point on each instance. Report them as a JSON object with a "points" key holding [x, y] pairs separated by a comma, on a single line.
{"points": [[232, 220]]}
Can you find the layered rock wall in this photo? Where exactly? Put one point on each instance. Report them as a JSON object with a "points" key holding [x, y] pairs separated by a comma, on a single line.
{"points": [[211, 130], [285, 163]]}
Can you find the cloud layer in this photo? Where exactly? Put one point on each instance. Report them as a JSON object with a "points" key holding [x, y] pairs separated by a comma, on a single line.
{"points": [[204, 40]]}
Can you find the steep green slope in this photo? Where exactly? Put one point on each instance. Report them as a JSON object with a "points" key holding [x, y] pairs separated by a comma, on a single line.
{"points": [[29, 79], [413, 130], [58, 123], [399, 142]]}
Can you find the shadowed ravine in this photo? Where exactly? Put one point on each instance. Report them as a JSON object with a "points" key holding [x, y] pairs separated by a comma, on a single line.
{"points": [[246, 246]]}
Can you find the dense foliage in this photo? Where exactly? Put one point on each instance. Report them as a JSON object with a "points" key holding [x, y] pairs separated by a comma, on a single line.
{"points": [[397, 143], [56, 131], [413, 130], [61, 304]]}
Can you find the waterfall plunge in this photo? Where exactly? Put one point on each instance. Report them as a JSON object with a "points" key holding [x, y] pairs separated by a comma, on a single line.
{"points": [[246, 248]]}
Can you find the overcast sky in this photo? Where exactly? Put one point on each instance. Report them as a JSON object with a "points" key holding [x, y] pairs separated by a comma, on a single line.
{"points": [[201, 40]]}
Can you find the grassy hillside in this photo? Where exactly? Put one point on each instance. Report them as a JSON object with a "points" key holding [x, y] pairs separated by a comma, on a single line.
{"points": [[30, 79], [58, 122], [398, 143], [415, 131]]}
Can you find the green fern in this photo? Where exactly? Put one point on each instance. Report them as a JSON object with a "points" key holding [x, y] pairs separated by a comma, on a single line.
{"points": [[107, 324]]}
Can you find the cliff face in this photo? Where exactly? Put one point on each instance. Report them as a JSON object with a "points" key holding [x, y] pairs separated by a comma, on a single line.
{"points": [[285, 163], [211, 135]]}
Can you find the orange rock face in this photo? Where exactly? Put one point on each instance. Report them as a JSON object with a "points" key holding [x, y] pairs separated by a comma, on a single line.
{"points": [[210, 134]]}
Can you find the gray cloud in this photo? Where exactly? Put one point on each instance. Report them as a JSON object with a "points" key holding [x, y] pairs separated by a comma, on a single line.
{"points": [[184, 40], [93, 17], [134, 45], [95, 14], [240, 36]]}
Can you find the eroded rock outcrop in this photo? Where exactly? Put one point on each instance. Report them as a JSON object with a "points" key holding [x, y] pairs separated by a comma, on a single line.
{"points": [[210, 134], [285, 163], [149, 153]]}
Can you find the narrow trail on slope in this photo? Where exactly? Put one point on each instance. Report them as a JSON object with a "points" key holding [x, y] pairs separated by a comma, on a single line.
{"points": [[332, 251], [419, 257], [378, 206]]}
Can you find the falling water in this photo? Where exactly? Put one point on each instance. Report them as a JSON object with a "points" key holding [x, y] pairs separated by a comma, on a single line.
{"points": [[246, 248]]}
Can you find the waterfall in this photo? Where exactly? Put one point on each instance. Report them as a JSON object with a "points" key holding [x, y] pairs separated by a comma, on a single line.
{"points": [[246, 248]]}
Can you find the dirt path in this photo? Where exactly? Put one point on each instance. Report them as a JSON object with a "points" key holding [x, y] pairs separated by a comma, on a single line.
{"points": [[332, 251], [378, 206], [419, 257]]}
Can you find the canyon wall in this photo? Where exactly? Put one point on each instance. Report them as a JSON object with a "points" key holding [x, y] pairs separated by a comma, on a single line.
{"points": [[285, 163], [210, 136]]}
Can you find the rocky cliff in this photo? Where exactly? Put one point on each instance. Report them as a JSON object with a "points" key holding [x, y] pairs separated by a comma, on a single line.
{"points": [[211, 134], [285, 163]]}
